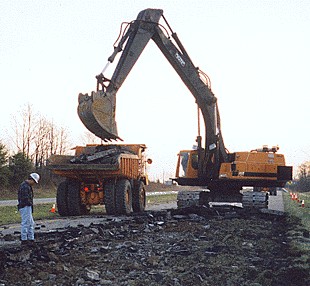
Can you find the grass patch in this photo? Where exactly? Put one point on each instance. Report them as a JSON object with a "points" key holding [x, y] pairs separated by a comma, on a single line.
{"points": [[294, 208], [38, 192], [161, 199], [10, 214], [299, 236]]}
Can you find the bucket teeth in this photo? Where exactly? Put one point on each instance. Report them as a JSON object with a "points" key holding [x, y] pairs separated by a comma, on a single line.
{"points": [[97, 112]]}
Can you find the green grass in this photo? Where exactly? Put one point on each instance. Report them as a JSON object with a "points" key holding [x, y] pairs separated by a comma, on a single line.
{"points": [[294, 208], [301, 218], [39, 192], [10, 214], [153, 200]]}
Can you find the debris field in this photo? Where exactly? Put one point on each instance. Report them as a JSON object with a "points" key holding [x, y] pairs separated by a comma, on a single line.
{"points": [[216, 246]]}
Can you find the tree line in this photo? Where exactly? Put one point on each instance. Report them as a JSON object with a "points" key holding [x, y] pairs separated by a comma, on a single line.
{"points": [[302, 182], [32, 140]]}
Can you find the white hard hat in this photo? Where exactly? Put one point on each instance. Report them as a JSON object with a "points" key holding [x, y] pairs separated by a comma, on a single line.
{"points": [[35, 177]]}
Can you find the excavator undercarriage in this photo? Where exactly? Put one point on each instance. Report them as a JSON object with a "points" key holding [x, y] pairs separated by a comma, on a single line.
{"points": [[204, 198]]}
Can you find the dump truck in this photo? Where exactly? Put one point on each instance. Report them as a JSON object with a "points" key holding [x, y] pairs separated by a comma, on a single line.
{"points": [[210, 165], [113, 175]]}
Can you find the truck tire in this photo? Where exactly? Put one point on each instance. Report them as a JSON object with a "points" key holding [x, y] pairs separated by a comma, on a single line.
{"points": [[62, 199], [138, 197], [109, 198], [273, 191], [123, 196], [74, 200]]}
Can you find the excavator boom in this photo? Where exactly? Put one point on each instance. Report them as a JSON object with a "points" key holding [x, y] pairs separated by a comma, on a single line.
{"points": [[210, 165], [97, 111]]}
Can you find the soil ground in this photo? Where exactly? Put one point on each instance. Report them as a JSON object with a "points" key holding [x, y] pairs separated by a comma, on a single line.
{"points": [[217, 246]]}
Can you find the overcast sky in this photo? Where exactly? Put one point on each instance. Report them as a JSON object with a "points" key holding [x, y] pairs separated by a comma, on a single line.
{"points": [[256, 54]]}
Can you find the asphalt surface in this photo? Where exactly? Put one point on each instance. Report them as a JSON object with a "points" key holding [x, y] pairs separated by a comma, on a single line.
{"points": [[275, 203]]}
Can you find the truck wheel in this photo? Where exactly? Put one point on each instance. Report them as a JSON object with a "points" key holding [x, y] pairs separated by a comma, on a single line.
{"points": [[62, 199], [109, 198], [273, 191], [138, 197], [74, 200], [123, 196]]}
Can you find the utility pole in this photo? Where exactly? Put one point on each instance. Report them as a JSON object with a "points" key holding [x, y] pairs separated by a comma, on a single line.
{"points": [[163, 177]]}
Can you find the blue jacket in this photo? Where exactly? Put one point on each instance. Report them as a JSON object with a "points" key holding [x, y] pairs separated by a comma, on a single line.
{"points": [[25, 195]]}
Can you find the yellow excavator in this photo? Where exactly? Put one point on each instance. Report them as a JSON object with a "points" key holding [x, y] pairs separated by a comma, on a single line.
{"points": [[220, 174]]}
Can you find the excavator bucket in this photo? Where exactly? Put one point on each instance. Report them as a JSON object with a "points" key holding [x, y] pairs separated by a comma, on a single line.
{"points": [[97, 112]]}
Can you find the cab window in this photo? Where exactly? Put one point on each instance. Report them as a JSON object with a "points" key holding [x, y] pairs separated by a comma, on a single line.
{"points": [[194, 161], [183, 163]]}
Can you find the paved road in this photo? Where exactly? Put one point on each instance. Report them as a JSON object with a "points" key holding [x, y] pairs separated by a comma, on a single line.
{"points": [[53, 200], [36, 202]]}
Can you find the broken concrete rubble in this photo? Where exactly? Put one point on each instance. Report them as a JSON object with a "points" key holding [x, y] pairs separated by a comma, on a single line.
{"points": [[172, 247]]}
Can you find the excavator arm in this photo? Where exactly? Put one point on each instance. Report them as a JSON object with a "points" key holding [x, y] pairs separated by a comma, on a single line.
{"points": [[97, 111]]}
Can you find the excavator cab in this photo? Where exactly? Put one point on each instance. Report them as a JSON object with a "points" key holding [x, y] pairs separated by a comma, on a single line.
{"points": [[187, 166]]}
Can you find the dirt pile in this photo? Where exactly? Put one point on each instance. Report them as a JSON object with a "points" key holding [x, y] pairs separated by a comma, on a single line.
{"points": [[199, 247]]}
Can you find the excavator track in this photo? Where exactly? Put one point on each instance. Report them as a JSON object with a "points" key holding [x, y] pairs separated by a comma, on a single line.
{"points": [[188, 199], [255, 200], [249, 200]]}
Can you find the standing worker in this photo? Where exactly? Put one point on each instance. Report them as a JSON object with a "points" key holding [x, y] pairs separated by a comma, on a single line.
{"points": [[25, 207]]}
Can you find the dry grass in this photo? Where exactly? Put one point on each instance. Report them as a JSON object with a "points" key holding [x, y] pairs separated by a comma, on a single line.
{"points": [[39, 192]]}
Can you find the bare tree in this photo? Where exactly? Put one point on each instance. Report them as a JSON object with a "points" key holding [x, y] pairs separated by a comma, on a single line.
{"points": [[90, 138], [23, 129], [303, 181], [58, 140], [63, 141], [304, 170], [41, 141], [37, 137], [49, 140]]}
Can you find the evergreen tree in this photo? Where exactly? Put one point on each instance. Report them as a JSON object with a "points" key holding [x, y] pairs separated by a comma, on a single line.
{"points": [[20, 167], [4, 169]]}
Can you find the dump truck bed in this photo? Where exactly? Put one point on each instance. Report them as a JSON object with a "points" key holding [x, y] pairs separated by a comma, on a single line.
{"points": [[122, 165]]}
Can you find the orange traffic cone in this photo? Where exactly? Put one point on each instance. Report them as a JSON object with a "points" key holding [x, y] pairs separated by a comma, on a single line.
{"points": [[302, 203], [53, 209]]}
